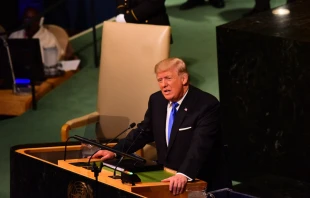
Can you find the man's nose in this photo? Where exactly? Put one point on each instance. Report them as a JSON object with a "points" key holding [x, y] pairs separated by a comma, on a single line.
{"points": [[164, 83]]}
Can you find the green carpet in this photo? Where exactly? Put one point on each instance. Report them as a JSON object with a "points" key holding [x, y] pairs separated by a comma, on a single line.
{"points": [[194, 41]]}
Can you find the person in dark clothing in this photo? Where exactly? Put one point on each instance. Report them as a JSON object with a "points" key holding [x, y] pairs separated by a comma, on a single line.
{"points": [[189, 4], [142, 11]]}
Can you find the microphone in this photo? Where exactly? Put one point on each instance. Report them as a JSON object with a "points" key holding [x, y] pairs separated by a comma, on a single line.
{"points": [[104, 147], [132, 143], [129, 127], [132, 125], [6, 45]]}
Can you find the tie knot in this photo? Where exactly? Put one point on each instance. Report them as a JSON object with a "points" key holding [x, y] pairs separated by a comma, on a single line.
{"points": [[175, 105]]}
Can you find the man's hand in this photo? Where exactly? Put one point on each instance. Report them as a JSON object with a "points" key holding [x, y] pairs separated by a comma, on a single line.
{"points": [[104, 155], [177, 183], [120, 18]]}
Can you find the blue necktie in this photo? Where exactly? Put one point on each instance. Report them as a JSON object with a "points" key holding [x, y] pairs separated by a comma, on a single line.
{"points": [[171, 118]]}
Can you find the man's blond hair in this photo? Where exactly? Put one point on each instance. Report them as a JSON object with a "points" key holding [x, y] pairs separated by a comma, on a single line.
{"points": [[169, 63]]}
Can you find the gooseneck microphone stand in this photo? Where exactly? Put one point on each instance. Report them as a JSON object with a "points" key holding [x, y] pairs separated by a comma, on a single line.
{"points": [[14, 88], [6, 45], [96, 170], [118, 163]]}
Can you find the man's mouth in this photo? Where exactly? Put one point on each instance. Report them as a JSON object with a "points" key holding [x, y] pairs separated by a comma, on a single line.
{"points": [[167, 91]]}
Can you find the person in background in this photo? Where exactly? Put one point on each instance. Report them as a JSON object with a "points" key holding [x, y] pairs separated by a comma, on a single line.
{"points": [[261, 6], [184, 122], [142, 12], [189, 4], [33, 29]]}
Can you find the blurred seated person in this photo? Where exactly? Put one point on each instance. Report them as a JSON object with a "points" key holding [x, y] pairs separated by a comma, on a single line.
{"points": [[32, 23]]}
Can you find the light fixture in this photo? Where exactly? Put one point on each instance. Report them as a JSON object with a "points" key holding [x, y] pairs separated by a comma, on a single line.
{"points": [[281, 11]]}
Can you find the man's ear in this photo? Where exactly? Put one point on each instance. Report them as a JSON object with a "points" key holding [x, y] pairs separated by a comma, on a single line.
{"points": [[185, 79]]}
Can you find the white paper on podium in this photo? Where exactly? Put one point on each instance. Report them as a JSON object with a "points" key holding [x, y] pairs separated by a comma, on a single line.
{"points": [[70, 65]]}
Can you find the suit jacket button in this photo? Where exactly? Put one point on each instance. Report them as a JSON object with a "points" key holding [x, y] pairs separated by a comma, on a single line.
{"points": [[146, 21], [127, 12]]}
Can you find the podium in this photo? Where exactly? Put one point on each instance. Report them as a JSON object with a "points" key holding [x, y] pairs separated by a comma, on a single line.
{"points": [[39, 170]]}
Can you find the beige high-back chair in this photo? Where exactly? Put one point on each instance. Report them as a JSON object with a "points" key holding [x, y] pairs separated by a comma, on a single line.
{"points": [[62, 38], [61, 34], [129, 53]]}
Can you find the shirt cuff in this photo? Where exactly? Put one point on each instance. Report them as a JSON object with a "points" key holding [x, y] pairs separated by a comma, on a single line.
{"points": [[188, 178]]}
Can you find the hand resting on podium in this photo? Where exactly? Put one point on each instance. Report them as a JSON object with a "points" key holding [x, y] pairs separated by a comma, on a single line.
{"points": [[177, 182], [104, 155]]}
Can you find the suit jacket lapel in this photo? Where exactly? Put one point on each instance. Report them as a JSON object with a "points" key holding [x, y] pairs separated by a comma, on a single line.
{"points": [[185, 106], [162, 121]]}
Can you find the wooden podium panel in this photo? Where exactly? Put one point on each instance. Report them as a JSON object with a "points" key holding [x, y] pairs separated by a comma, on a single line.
{"points": [[40, 171]]}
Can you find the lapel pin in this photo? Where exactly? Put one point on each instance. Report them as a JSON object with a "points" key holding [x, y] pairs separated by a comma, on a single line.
{"points": [[185, 109]]}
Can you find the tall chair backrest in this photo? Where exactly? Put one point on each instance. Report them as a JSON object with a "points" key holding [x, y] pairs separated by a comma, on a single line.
{"points": [[60, 33], [129, 53]]}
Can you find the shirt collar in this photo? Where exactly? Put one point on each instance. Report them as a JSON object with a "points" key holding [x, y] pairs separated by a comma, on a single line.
{"points": [[179, 101]]}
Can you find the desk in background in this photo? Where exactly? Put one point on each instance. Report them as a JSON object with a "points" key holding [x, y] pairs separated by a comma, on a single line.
{"points": [[15, 105]]}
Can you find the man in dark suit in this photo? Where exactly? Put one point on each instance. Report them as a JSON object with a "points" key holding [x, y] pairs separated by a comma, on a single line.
{"points": [[184, 122], [142, 11]]}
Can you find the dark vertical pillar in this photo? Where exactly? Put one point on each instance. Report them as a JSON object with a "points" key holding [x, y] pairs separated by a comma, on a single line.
{"points": [[264, 79], [9, 10], [93, 18]]}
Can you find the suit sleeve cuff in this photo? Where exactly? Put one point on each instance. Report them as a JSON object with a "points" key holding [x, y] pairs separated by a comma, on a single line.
{"points": [[188, 178]]}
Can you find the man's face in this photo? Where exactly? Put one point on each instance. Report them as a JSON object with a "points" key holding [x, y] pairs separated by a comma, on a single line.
{"points": [[31, 21], [172, 84]]}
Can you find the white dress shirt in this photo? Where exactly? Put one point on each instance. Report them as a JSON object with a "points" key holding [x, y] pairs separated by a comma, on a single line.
{"points": [[169, 108], [47, 40]]}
